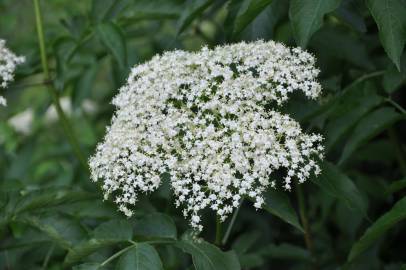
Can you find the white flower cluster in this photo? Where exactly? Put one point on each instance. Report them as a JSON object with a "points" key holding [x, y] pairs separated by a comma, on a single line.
{"points": [[8, 64], [208, 118]]}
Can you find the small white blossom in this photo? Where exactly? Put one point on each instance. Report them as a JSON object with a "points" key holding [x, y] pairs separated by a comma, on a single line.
{"points": [[51, 115], [3, 101], [22, 122], [8, 64], [209, 119], [87, 106]]}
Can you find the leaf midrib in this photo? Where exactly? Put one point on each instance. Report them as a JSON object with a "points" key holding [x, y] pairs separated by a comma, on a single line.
{"points": [[202, 252]]}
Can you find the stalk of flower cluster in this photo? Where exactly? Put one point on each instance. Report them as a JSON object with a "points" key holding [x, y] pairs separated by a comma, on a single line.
{"points": [[219, 231], [210, 120], [53, 93], [304, 219], [231, 224]]}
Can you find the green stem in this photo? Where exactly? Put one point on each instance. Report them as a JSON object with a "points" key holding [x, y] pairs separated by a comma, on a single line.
{"points": [[52, 91], [331, 102], [303, 218], [41, 39], [7, 259], [231, 224], [397, 106], [48, 257], [364, 77], [162, 242], [218, 231], [117, 254]]}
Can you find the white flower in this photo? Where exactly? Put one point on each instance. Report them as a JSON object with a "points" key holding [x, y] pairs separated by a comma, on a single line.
{"points": [[22, 122], [51, 115], [8, 64], [3, 101], [209, 119], [89, 106]]}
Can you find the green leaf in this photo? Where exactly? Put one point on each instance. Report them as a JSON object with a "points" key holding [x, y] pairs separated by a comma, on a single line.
{"points": [[141, 257], [244, 242], [396, 186], [86, 248], [278, 204], [93, 209], [368, 127], [154, 10], [285, 252], [86, 266], [193, 9], [106, 234], [390, 17], [393, 79], [99, 9], [338, 185], [306, 17], [31, 238], [378, 228], [350, 13], [118, 230], [377, 151], [251, 260], [64, 231], [45, 198], [62, 48], [356, 104], [206, 256], [155, 225], [84, 85], [265, 24], [371, 185], [107, 9], [76, 25], [247, 13], [233, 8], [343, 45], [113, 38]]}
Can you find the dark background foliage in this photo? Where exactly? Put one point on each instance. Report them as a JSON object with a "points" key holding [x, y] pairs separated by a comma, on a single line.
{"points": [[352, 217]]}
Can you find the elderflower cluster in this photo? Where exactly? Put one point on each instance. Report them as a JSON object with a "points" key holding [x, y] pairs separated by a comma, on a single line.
{"points": [[8, 64], [210, 120]]}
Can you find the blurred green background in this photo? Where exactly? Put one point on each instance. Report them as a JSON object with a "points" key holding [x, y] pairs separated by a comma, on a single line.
{"points": [[53, 216]]}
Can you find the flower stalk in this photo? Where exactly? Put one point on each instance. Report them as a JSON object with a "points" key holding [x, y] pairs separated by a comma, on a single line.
{"points": [[231, 224], [52, 91], [303, 218], [306, 225], [218, 232]]}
